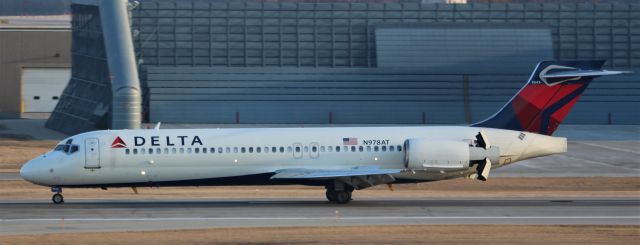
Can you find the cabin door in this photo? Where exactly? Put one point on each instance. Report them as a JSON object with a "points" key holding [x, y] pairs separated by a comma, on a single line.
{"points": [[92, 153]]}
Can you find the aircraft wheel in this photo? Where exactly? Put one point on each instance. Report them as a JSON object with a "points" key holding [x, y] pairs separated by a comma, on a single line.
{"points": [[343, 197], [331, 195], [57, 198]]}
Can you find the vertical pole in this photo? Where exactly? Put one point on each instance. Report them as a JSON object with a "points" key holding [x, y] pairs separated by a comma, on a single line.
{"points": [[125, 86]]}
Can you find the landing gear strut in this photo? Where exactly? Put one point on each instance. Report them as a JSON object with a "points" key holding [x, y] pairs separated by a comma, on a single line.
{"points": [[339, 196], [57, 198]]}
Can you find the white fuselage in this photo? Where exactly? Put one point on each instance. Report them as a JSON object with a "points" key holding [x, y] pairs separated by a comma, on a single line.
{"points": [[190, 156]]}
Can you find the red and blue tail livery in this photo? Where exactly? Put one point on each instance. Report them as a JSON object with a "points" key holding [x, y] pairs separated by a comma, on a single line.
{"points": [[548, 96]]}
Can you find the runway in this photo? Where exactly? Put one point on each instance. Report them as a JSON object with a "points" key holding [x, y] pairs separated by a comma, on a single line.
{"points": [[18, 217]]}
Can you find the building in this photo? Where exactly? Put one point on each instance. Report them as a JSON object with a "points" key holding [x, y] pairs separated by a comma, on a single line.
{"points": [[393, 63], [35, 66]]}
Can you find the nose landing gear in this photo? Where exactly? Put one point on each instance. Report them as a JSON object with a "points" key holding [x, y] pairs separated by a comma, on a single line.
{"points": [[57, 198]]}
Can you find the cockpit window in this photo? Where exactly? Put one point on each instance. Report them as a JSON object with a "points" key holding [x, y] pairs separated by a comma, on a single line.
{"points": [[68, 147]]}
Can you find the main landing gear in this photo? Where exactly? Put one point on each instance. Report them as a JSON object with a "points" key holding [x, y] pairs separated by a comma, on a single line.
{"points": [[339, 196], [57, 198]]}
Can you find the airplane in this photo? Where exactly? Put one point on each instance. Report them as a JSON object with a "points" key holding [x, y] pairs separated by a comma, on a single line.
{"points": [[342, 159]]}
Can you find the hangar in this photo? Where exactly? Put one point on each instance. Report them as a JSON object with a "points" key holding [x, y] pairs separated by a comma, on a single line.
{"points": [[33, 75], [397, 62]]}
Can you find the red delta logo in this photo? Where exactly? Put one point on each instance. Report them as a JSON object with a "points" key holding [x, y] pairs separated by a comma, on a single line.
{"points": [[118, 143]]}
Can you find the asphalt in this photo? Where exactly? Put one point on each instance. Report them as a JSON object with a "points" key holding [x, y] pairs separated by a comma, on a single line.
{"points": [[21, 217]]}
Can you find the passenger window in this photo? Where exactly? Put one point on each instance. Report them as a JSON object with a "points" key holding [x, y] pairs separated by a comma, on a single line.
{"points": [[329, 148], [150, 151], [243, 150], [353, 149], [306, 149], [173, 150], [266, 149], [361, 148], [391, 148], [127, 151], [258, 149], [135, 151], [235, 149], [219, 150], [213, 150], [158, 150], [142, 151], [399, 148], [204, 150], [375, 148], [337, 148], [321, 148], [166, 151], [289, 149], [197, 150], [314, 149], [297, 148], [346, 149], [368, 148], [189, 151], [273, 149], [250, 149], [228, 150], [181, 150], [384, 148]]}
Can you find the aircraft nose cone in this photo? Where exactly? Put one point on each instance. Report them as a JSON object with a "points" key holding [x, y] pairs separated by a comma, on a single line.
{"points": [[26, 171]]}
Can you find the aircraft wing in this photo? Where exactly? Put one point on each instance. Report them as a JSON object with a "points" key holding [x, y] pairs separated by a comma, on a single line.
{"points": [[305, 173]]}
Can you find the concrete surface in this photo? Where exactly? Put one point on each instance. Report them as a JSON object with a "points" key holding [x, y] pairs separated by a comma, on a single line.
{"points": [[19, 217]]}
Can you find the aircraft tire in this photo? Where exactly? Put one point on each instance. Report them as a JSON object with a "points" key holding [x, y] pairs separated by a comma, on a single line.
{"points": [[57, 198], [343, 197], [331, 195]]}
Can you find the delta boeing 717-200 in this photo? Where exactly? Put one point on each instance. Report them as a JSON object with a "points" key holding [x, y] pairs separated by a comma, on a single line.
{"points": [[341, 159]]}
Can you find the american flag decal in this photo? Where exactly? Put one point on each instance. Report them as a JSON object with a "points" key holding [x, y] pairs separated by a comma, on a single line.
{"points": [[350, 141]]}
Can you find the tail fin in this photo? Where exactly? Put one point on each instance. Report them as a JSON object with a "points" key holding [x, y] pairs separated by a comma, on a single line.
{"points": [[546, 99]]}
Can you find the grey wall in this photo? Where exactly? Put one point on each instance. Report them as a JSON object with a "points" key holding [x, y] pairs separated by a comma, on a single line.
{"points": [[360, 95], [464, 47], [257, 34]]}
